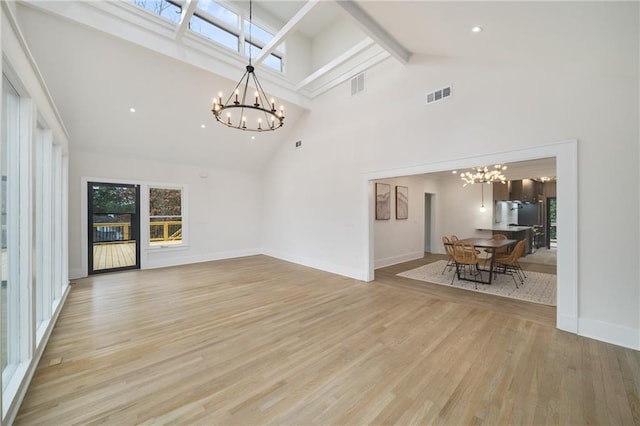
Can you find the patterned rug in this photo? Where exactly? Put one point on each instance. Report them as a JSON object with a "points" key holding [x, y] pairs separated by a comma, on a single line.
{"points": [[537, 287]]}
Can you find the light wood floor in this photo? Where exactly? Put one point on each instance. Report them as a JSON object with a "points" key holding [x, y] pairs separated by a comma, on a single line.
{"points": [[261, 341], [114, 255]]}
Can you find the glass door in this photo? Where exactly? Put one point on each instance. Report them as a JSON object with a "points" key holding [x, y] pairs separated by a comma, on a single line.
{"points": [[114, 227]]}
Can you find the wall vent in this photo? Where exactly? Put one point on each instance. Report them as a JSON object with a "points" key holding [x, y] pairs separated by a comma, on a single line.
{"points": [[437, 95], [357, 84]]}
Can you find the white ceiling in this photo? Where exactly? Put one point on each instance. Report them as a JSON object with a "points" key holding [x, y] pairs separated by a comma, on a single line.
{"points": [[96, 69]]}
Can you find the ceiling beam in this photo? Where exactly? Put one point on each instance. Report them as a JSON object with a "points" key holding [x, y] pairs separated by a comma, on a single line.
{"points": [[336, 62], [187, 11], [284, 32], [375, 31]]}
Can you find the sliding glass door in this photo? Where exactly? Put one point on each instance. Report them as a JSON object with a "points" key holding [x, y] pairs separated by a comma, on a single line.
{"points": [[114, 227]]}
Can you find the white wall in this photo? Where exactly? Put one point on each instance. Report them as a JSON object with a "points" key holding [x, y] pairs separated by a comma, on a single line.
{"points": [[224, 208], [327, 45], [401, 240], [460, 210], [316, 202]]}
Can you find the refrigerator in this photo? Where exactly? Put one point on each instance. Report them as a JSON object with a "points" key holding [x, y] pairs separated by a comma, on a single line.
{"points": [[530, 214]]}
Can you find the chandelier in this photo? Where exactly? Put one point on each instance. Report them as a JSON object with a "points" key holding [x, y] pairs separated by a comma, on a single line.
{"points": [[239, 112], [484, 175]]}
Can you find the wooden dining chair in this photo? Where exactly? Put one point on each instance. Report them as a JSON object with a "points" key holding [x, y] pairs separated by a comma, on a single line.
{"points": [[466, 258], [510, 263], [448, 248]]}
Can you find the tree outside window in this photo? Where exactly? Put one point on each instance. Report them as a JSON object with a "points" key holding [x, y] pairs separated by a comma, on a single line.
{"points": [[165, 216]]}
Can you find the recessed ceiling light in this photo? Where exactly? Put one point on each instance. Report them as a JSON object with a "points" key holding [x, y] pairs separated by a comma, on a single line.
{"points": [[202, 126], [253, 137], [476, 29], [132, 109]]}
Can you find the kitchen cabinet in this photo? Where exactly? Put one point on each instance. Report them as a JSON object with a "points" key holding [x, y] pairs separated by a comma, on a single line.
{"points": [[525, 190], [500, 191], [549, 189]]}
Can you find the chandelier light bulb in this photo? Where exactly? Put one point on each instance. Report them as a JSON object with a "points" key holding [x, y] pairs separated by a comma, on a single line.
{"points": [[484, 175]]}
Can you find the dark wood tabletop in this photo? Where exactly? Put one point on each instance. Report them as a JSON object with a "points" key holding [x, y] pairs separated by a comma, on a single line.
{"points": [[489, 243]]}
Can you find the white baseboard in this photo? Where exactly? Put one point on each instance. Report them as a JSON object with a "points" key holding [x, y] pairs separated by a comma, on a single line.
{"points": [[358, 274], [611, 333], [567, 323], [394, 260], [185, 260]]}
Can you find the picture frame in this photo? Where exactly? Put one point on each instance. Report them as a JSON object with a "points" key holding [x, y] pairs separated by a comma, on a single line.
{"points": [[402, 202], [383, 201]]}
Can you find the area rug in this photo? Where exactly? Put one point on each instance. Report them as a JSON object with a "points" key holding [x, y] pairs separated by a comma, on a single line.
{"points": [[537, 287]]}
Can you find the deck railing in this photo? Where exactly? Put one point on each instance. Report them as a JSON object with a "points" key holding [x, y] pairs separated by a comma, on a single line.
{"points": [[166, 230], [159, 231]]}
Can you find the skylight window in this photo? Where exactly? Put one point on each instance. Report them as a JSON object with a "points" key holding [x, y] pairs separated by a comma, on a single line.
{"points": [[258, 35], [214, 32], [221, 25], [218, 12], [164, 8], [272, 61]]}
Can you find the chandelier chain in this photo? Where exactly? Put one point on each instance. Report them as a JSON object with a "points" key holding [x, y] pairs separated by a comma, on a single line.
{"points": [[250, 33]]}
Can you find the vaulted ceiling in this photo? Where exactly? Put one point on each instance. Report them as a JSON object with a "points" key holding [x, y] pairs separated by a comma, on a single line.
{"points": [[101, 58]]}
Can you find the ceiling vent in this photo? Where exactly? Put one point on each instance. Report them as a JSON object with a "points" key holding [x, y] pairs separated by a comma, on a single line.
{"points": [[438, 95], [357, 84]]}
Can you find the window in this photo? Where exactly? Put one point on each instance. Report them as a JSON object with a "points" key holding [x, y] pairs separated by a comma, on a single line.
{"points": [[9, 272], [166, 9], [165, 216], [273, 61], [260, 38], [218, 12], [214, 32], [258, 35], [41, 219]]}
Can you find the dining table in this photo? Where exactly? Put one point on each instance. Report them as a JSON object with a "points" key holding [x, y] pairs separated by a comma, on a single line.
{"points": [[491, 246]]}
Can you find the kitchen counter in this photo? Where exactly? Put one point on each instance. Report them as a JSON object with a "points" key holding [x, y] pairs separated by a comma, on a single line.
{"points": [[499, 228], [515, 233]]}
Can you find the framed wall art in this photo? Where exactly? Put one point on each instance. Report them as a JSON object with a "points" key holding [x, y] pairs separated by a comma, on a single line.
{"points": [[383, 201], [402, 202]]}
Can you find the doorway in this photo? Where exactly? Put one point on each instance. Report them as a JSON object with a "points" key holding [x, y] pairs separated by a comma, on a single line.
{"points": [[114, 227], [427, 222]]}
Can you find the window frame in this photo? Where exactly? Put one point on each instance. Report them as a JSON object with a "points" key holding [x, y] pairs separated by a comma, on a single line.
{"points": [[147, 217]]}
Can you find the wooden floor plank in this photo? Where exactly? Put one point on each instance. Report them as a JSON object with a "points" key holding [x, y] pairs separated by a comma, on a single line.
{"points": [[261, 341]]}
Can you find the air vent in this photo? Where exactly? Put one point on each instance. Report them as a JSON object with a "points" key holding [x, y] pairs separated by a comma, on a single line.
{"points": [[357, 84], [438, 95]]}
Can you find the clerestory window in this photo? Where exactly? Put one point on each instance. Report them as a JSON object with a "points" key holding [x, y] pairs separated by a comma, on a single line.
{"points": [[222, 26], [164, 8]]}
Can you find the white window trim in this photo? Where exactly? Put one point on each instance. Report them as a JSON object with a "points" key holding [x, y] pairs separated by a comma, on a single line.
{"points": [[183, 213]]}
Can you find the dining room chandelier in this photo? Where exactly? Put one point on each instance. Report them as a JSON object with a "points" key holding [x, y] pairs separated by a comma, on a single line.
{"points": [[242, 111], [484, 175]]}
